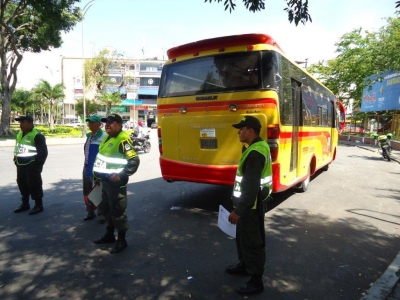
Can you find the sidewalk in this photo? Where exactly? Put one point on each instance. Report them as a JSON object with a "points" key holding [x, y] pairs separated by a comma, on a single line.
{"points": [[394, 155], [49, 141], [387, 287]]}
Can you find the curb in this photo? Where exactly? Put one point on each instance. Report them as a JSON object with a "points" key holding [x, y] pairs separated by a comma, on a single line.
{"points": [[49, 142], [394, 156], [386, 284]]}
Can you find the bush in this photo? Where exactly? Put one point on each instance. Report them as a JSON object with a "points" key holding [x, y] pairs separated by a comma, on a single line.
{"points": [[61, 130]]}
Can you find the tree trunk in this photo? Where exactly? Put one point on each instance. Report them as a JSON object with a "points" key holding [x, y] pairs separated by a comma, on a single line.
{"points": [[41, 114], [5, 114], [51, 114]]}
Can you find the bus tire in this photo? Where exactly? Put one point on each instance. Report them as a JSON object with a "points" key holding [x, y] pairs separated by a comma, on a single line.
{"points": [[303, 186]]}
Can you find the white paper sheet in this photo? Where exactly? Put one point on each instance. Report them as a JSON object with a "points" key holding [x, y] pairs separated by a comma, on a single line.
{"points": [[224, 224], [95, 194]]}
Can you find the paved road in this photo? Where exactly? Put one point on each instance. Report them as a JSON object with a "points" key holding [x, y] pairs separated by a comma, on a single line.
{"points": [[332, 242]]}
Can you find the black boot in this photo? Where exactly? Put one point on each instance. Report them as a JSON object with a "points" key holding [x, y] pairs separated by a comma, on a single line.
{"points": [[89, 216], [120, 244], [36, 209], [24, 206], [238, 269], [253, 286], [107, 238]]}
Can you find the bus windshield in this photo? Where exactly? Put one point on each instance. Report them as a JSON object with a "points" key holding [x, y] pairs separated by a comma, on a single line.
{"points": [[219, 73]]}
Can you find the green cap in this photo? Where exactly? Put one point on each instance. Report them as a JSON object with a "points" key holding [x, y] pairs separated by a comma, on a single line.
{"points": [[94, 118]]}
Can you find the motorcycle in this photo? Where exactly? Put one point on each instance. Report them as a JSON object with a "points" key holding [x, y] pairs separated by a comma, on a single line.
{"points": [[141, 144], [384, 147]]}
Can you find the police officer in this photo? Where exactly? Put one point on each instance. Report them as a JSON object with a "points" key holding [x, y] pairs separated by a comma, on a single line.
{"points": [[115, 162], [30, 154], [252, 186]]}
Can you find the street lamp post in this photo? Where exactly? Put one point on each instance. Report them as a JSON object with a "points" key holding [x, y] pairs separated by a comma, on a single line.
{"points": [[303, 62], [84, 128]]}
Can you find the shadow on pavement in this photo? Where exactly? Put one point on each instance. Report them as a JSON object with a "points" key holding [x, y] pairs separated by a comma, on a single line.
{"points": [[176, 250]]}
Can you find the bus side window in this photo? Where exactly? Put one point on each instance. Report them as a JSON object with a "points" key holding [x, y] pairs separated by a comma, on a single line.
{"points": [[306, 114], [286, 102]]}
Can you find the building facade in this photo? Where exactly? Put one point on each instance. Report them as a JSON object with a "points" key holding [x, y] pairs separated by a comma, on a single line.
{"points": [[136, 80]]}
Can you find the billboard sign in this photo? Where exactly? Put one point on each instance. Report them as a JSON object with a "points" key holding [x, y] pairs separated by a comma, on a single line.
{"points": [[384, 94]]}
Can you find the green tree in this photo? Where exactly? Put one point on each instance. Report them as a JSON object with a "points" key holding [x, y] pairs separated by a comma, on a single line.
{"points": [[110, 99], [91, 107], [39, 103], [53, 96], [21, 101], [29, 26], [360, 55], [297, 9], [97, 70]]}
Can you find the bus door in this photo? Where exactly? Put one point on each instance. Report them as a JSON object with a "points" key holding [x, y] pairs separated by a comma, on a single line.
{"points": [[296, 104]]}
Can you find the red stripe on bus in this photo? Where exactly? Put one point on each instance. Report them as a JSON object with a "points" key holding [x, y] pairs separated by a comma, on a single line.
{"points": [[179, 171], [248, 104], [303, 134], [222, 42]]}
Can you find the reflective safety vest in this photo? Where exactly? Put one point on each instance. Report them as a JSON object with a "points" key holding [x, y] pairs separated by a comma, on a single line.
{"points": [[109, 160], [25, 151], [266, 173]]}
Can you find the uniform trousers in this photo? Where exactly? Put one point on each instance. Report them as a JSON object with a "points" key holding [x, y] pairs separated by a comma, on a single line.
{"points": [[29, 180], [250, 241], [115, 203]]}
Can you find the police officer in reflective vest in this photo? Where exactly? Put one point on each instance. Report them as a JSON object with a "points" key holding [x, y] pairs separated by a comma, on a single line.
{"points": [[115, 162], [30, 154], [253, 185]]}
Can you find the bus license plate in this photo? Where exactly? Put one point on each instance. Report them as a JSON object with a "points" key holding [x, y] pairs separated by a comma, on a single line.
{"points": [[208, 143]]}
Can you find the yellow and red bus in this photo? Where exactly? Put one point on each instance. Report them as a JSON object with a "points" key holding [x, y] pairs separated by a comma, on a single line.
{"points": [[208, 85]]}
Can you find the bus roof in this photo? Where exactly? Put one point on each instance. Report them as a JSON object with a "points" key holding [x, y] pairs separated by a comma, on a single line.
{"points": [[220, 42]]}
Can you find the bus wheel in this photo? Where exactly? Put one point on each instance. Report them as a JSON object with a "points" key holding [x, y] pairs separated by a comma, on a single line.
{"points": [[303, 186]]}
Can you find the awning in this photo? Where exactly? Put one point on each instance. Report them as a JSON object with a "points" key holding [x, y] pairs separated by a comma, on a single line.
{"points": [[153, 91], [129, 102]]}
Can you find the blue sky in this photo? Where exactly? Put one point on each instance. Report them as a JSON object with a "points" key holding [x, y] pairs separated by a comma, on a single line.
{"points": [[129, 26]]}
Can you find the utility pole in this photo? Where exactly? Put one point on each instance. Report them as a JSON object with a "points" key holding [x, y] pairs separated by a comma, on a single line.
{"points": [[84, 128]]}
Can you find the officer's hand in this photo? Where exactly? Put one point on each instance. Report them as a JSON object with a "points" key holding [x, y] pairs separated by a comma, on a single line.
{"points": [[114, 177], [233, 217]]}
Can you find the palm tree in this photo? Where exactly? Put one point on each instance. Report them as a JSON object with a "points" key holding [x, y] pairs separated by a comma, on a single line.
{"points": [[53, 95], [24, 101], [38, 104], [109, 99], [20, 101]]}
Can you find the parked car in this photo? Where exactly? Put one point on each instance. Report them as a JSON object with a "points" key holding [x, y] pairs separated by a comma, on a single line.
{"points": [[154, 125], [74, 123]]}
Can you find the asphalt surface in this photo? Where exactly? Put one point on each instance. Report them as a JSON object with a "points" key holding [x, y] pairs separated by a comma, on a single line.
{"points": [[387, 287]]}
